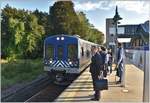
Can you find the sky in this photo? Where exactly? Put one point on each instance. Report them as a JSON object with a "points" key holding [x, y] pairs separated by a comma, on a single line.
{"points": [[132, 12]]}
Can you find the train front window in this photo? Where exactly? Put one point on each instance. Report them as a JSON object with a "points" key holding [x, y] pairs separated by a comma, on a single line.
{"points": [[60, 52], [72, 51], [49, 51]]}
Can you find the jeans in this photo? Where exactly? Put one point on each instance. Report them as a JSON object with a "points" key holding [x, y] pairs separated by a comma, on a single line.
{"points": [[120, 67]]}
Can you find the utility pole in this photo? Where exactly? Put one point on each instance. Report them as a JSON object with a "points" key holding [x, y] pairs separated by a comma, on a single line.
{"points": [[116, 19]]}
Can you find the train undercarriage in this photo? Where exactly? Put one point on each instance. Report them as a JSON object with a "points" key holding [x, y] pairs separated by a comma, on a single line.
{"points": [[61, 77]]}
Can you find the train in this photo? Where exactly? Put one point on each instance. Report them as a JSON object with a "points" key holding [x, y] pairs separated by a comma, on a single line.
{"points": [[64, 56]]}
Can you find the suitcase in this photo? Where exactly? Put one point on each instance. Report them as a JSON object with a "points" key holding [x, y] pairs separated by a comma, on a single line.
{"points": [[101, 84]]}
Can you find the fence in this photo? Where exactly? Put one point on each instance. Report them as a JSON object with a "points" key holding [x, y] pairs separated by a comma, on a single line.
{"points": [[140, 58]]}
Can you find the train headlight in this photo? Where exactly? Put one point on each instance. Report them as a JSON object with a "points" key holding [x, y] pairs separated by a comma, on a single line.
{"points": [[50, 61], [70, 62], [58, 38], [62, 38]]}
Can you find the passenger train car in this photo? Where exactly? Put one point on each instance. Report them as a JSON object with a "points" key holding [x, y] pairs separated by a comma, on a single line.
{"points": [[65, 55]]}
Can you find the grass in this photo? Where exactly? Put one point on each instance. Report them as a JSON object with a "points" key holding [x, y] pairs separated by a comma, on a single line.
{"points": [[20, 71]]}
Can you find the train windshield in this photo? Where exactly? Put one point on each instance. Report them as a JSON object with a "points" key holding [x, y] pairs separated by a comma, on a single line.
{"points": [[49, 51], [72, 51], [60, 52]]}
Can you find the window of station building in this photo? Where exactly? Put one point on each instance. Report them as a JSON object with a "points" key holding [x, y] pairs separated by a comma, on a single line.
{"points": [[60, 52], [72, 51], [49, 51]]}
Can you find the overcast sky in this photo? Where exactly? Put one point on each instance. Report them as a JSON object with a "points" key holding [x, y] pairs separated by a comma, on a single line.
{"points": [[132, 12]]}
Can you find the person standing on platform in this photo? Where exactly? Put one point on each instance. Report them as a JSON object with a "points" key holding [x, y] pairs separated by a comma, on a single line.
{"points": [[95, 68], [102, 52], [110, 61], [106, 60], [120, 63]]}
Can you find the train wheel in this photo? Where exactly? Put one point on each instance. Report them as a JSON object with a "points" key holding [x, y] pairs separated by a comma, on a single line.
{"points": [[51, 76]]}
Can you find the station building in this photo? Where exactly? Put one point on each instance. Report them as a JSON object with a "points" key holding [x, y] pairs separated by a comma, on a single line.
{"points": [[138, 34]]}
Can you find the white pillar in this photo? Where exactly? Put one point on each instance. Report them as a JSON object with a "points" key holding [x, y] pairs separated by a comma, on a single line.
{"points": [[146, 77]]}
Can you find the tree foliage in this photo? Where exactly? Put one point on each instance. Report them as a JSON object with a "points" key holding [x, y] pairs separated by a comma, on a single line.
{"points": [[20, 33], [23, 31], [63, 18]]}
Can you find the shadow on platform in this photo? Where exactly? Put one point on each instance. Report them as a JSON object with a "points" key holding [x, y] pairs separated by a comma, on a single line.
{"points": [[75, 99]]}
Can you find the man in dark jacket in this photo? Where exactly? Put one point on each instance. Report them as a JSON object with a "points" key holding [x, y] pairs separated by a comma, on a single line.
{"points": [[95, 68], [103, 54]]}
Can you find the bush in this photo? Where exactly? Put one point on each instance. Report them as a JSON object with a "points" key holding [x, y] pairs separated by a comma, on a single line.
{"points": [[20, 71]]}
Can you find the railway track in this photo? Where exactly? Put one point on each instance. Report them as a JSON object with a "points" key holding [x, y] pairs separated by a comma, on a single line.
{"points": [[50, 93], [26, 91], [39, 90]]}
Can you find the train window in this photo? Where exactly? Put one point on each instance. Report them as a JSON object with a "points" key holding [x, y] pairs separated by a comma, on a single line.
{"points": [[82, 51], [60, 52], [87, 53], [49, 51], [72, 51]]}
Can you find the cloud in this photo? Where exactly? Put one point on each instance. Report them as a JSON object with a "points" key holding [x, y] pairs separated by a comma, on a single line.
{"points": [[88, 6], [140, 7]]}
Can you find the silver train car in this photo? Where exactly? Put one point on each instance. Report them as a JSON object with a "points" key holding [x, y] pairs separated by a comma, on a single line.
{"points": [[64, 56]]}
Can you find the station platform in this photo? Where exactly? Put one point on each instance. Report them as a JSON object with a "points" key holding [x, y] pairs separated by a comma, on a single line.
{"points": [[81, 90]]}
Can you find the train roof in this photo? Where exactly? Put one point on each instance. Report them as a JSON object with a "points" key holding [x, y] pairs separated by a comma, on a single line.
{"points": [[85, 41], [74, 36], [53, 36]]}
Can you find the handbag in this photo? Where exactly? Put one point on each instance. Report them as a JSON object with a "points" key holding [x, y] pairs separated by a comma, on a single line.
{"points": [[101, 84]]}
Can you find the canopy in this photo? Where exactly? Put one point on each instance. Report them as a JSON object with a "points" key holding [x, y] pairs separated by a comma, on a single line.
{"points": [[124, 40]]}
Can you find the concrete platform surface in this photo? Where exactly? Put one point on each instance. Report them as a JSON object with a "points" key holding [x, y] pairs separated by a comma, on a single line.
{"points": [[81, 90]]}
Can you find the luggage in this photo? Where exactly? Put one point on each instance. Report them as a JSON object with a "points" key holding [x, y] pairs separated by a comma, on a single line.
{"points": [[101, 84]]}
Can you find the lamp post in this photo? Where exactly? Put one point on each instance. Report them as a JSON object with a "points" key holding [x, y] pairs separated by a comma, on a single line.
{"points": [[116, 19]]}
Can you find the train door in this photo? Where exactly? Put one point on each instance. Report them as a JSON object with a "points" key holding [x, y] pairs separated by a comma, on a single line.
{"points": [[60, 52]]}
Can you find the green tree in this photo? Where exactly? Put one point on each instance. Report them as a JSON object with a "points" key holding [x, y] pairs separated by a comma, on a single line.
{"points": [[24, 31], [63, 18], [34, 33], [43, 19], [87, 30], [21, 34]]}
